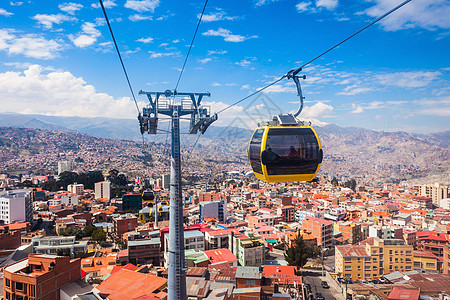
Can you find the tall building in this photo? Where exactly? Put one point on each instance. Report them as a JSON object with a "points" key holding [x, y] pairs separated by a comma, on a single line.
{"points": [[166, 182], [39, 277], [16, 205], [213, 209], [102, 189], [321, 229], [64, 166], [373, 258], [437, 192], [76, 188]]}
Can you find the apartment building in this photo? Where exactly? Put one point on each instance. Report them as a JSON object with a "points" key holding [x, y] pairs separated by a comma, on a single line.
{"points": [[54, 244], [64, 166], [287, 213], [40, 276], [16, 205], [350, 231], [217, 239], [249, 250], [373, 258], [436, 192], [76, 188], [321, 229], [446, 262], [102, 190], [213, 209]]}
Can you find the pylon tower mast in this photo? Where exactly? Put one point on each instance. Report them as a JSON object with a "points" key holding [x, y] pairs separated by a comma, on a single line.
{"points": [[200, 119]]}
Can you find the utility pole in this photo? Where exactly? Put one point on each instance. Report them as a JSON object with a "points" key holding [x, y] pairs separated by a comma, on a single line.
{"points": [[200, 119]]}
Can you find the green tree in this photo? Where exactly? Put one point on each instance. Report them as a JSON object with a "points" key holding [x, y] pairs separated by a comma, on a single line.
{"points": [[66, 178], [351, 184], [298, 254], [99, 235], [74, 231], [89, 230], [334, 181], [63, 252]]}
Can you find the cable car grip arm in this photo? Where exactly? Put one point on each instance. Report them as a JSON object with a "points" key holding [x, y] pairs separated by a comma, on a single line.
{"points": [[293, 74]]}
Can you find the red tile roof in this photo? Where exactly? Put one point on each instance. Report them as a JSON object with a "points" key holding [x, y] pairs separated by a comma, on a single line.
{"points": [[352, 250], [220, 255], [270, 270], [126, 284], [398, 293]]}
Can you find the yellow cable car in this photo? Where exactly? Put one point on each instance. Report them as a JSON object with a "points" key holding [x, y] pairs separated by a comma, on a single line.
{"points": [[148, 196], [285, 150]]}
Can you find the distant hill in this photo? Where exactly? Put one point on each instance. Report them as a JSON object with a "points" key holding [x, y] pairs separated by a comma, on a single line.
{"points": [[366, 155]]}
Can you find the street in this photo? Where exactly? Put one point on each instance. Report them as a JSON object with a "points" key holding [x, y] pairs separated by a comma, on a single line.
{"points": [[314, 278]]}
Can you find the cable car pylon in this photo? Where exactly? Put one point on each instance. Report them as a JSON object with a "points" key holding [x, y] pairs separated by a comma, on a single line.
{"points": [[200, 119]]}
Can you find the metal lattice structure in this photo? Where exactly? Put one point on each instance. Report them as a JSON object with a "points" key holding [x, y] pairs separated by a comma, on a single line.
{"points": [[200, 119]]}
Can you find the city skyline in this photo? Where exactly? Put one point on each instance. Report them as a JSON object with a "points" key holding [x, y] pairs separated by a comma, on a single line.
{"points": [[58, 59]]}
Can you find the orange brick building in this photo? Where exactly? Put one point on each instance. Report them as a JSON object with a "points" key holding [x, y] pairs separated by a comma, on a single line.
{"points": [[40, 276], [320, 229], [446, 264]]}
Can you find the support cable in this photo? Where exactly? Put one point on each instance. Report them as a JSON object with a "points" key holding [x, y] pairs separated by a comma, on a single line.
{"points": [[118, 53], [294, 72], [123, 66], [192, 42]]}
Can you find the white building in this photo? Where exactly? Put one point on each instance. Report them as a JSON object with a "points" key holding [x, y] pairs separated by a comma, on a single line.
{"points": [[166, 182], [64, 166], [16, 205], [193, 239], [437, 192], [445, 203], [76, 188], [70, 199], [102, 189]]}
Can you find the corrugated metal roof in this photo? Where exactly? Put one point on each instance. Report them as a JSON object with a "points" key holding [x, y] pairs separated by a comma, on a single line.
{"points": [[248, 272]]}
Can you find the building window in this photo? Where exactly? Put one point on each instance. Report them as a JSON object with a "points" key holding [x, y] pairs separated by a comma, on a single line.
{"points": [[8, 282], [250, 282], [390, 252], [8, 296], [348, 268], [19, 286], [430, 265]]}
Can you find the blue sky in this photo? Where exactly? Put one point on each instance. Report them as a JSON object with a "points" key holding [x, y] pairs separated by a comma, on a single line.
{"points": [[57, 58]]}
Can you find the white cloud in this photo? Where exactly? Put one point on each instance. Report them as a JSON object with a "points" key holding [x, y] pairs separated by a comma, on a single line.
{"points": [[205, 60], [5, 13], [18, 3], [245, 87], [48, 20], [318, 110], [145, 40], [328, 4], [138, 17], [217, 16], [302, 6], [70, 7], [278, 88], [88, 36], [264, 2], [161, 54], [357, 110], [215, 84], [408, 79], [142, 5], [29, 45], [58, 93], [243, 63], [354, 90], [212, 52], [430, 14], [227, 35], [106, 4]]}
